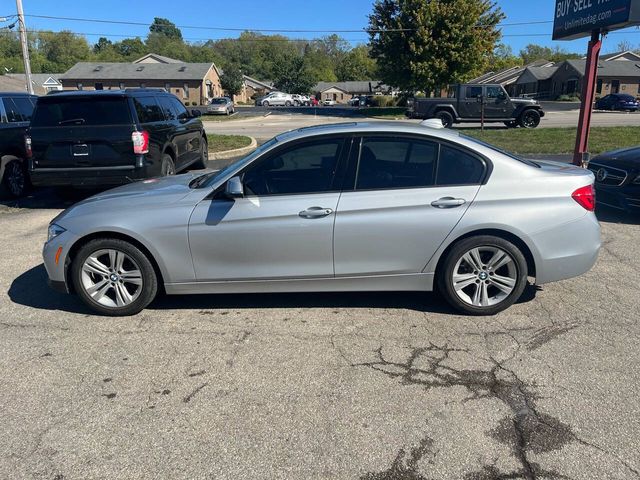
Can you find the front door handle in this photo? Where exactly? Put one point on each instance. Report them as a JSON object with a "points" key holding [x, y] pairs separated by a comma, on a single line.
{"points": [[316, 212], [448, 202]]}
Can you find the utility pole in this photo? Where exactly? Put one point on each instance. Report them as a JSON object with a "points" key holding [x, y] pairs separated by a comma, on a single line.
{"points": [[25, 47]]}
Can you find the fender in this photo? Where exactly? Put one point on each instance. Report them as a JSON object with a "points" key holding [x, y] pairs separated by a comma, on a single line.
{"points": [[445, 106]]}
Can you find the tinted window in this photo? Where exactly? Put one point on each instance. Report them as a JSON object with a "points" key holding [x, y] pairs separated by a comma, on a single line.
{"points": [[626, 98], [494, 92], [474, 92], [148, 110], [58, 110], [25, 107], [305, 168], [12, 111], [390, 163], [167, 107], [456, 167], [179, 109]]}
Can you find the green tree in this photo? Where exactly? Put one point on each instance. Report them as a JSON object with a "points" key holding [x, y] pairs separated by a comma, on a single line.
{"points": [[131, 48], [504, 58], [165, 27], [292, 75], [102, 45], [533, 52], [428, 44], [62, 50], [356, 65], [232, 80]]}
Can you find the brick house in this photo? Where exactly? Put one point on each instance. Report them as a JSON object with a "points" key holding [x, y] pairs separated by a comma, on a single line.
{"points": [[342, 92], [192, 83]]}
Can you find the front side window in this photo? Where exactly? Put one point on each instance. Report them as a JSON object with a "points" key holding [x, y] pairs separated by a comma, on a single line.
{"points": [[309, 167], [495, 92], [167, 108], [180, 109], [148, 110], [456, 167], [388, 163]]}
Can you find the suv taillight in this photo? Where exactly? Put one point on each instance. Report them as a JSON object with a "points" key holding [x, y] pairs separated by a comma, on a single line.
{"points": [[27, 146], [140, 142], [586, 197]]}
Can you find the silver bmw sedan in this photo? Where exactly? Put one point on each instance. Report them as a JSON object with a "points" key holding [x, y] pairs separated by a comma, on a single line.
{"points": [[348, 207]]}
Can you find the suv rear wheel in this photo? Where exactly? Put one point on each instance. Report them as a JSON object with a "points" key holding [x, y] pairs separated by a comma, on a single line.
{"points": [[204, 155], [167, 167], [483, 275], [114, 277], [15, 181], [529, 119], [445, 117]]}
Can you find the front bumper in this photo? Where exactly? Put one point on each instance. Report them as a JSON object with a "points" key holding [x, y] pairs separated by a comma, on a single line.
{"points": [[57, 271]]}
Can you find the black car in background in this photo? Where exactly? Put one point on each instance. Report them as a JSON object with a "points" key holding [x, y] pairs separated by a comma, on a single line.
{"points": [[618, 101], [15, 113], [618, 179], [112, 137]]}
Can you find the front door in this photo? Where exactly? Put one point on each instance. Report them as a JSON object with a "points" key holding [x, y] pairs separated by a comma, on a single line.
{"points": [[407, 197], [282, 228], [497, 103]]}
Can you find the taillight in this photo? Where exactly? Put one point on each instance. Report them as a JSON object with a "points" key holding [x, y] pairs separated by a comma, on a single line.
{"points": [[586, 197], [140, 142], [27, 146]]}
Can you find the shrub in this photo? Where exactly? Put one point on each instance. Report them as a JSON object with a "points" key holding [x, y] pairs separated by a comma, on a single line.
{"points": [[383, 101]]}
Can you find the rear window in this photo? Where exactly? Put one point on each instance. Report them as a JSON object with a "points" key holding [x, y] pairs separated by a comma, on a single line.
{"points": [[61, 111]]}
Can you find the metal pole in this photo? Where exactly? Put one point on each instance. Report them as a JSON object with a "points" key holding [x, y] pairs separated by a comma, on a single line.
{"points": [[581, 154], [25, 47]]}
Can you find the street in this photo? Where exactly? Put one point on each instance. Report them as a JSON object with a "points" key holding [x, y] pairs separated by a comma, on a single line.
{"points": [[319, 386]]}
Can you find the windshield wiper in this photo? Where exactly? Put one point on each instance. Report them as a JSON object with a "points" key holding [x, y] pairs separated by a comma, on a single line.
{"points": [[198, 181], [77, 121]]}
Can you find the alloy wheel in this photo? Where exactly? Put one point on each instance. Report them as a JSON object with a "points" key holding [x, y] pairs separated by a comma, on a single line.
{"points": [[529, 120], [15, 178], [111, 278], [484, 276]]}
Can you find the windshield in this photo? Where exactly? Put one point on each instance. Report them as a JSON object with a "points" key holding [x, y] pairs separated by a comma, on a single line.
{"points": [[626, 98], [503, 152], [218, 101], [87, 110], [209, 179]]}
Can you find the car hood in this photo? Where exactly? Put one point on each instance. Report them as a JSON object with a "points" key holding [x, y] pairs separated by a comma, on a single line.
{"points": [[524, 101], [154, 191], [628, 158]]}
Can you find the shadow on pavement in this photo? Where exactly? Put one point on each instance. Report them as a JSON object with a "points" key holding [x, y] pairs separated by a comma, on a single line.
{"points": [[48, 198], [30, 289]]}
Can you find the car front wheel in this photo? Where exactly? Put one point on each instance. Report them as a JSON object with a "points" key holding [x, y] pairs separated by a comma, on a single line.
{"points": [[530, 119], [114, 277], [483, 275]]}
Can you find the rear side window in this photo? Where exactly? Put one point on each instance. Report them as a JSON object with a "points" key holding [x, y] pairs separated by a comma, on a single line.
{"points": [[13, 114], [59, 111], [387, 163], [24, 107], [474, 92], [457, 167], [148, 110]]}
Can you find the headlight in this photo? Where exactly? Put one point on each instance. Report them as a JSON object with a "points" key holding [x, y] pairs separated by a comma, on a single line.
{"points": [[54, 231]]}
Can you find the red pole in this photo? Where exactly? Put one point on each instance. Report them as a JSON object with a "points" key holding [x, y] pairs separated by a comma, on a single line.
{"points": [[588, 96]]}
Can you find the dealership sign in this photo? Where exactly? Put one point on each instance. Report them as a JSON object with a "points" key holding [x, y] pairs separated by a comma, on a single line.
{"points": [[578, 18]]}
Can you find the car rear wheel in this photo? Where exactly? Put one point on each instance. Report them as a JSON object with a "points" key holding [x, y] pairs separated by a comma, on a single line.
{"points": [[15, 181], [287, 103], [168, 167], [114, 277], [265, 104], [530, 119], [483, 275], [445, 117]]}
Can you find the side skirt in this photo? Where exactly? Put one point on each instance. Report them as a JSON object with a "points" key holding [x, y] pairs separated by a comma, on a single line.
{"points": [[421, 282]]}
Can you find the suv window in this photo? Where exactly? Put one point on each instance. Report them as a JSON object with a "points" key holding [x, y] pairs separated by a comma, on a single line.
{"points": [[148, 110], [59, 110], [167, 107], [17, 110], [494, 92], [474, 92], [304, 168], [180, 109], [387, 163], [456, 167]]}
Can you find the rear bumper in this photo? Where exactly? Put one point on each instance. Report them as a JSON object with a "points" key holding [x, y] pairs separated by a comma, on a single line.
{"points": [[85, 177]]}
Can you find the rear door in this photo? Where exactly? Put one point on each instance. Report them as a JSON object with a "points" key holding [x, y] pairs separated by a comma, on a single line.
{"points": [[469, 103], [407, 196], [151, 119], [82, 132]]}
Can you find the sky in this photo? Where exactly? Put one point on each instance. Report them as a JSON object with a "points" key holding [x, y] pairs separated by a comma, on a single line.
{"points": [[327, 16]]}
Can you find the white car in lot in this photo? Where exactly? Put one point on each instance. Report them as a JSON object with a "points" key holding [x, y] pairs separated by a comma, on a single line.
{"points": [[329, 103], [277, 99]]}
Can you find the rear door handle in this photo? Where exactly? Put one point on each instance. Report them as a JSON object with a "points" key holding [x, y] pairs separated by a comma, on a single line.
{"points": [[448, 202], [315, 212]]}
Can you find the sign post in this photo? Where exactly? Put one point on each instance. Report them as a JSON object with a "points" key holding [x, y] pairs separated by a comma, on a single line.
{"points": [[583, 18]]}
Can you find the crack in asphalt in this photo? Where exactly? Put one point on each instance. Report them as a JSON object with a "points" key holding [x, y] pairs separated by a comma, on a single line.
{"points": [[404, 468]]}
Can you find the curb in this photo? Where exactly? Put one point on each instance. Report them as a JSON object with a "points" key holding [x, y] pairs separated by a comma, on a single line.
{"points": [[234, 153]]}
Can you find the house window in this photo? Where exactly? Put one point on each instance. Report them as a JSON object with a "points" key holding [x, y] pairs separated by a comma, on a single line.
{"points": [[185, 91], [121, 85], [167, 87], [79, 86], [599, 87], [638, 87], [143, 85]]}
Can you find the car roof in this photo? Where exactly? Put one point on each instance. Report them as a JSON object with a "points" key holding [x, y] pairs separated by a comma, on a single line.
{"points": [[16, 94], [108, 93]]}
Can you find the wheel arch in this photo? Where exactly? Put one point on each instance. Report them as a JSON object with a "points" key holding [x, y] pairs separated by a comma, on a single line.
{"points": [[79, 243], [448, 108], [495, 232]]}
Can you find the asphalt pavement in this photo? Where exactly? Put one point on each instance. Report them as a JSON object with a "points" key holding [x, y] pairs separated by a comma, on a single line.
{"points": [[319, 386]]}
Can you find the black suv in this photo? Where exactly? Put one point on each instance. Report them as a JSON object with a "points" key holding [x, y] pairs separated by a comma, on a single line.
{"points": [[112, 137], [15, 113]]}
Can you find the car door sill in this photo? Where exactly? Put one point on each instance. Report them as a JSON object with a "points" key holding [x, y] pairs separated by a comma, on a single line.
{"points": [[401, 282]]}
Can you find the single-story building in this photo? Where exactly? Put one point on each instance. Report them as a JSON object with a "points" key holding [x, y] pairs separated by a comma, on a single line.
{"points": [[252, 89], [509, 76], [342, 92], [43, 83], [192, 83]]}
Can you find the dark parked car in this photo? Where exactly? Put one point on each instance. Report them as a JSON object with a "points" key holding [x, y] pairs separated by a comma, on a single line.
{"points": [[112, 137], [618, 179], [464, 105], [15, 114], [618, 101]]}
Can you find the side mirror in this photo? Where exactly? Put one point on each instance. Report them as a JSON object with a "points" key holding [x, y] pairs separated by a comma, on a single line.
{"points": [[196, 113], [234, 188]]}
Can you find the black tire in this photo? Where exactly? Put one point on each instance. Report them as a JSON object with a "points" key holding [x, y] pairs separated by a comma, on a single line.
{"points": [[512, 124], [445, 117], [167, 167], [529, 119], [287, 103], [15, 181], [148, 290], [265, 104], [517, 270], [296, 103], [204, 155]]}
